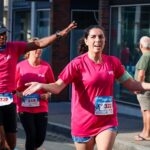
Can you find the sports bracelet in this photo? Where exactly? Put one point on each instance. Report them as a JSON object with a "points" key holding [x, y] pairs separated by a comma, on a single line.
{"points": [[58, 35]]}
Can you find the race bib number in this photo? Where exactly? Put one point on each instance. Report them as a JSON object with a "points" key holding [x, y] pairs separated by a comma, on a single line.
{"points": [[103, 105], [6, 99], [32, 100]]}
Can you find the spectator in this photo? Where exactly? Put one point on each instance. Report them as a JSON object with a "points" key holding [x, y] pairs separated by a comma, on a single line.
{"points": [[142, 74]]}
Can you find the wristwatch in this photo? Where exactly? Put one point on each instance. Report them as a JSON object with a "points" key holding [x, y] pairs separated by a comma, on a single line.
{"points": [[58, 35]]}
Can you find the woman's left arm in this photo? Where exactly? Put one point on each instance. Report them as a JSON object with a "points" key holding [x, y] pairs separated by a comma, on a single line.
{"points": [[134, 86]]}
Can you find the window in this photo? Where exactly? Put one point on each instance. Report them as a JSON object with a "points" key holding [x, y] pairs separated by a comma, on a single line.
{"points": [[43, 23], [128, 24], [21, 26], [43, 29]]}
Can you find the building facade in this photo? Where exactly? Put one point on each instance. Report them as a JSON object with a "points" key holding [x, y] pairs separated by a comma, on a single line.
{"points": [[125, 21], [129, 21]]}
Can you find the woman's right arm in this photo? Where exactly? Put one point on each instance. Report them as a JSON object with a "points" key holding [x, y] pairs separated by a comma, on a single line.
{"points": [[54, 88]]}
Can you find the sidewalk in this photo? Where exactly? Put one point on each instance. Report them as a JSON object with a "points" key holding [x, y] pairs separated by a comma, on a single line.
{"points": [[129, 126]]}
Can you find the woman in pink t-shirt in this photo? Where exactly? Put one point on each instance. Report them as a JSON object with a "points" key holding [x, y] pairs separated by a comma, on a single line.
{"points": [[33, 109], [92, 74]]}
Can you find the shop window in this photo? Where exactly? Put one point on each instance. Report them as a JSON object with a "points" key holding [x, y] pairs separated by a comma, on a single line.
{"points": [[43, 29], [21, 27], [128, 24], [43, 23]]}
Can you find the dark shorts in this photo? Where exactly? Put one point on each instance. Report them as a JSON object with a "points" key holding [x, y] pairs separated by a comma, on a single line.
{"points": [[86, 139], [8, 118]]}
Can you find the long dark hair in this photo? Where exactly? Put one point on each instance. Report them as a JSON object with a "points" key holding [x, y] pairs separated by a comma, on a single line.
{"points": [[82, 47]]}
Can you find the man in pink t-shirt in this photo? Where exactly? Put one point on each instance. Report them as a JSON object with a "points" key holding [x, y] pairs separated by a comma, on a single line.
{"points": [[9, 54]]}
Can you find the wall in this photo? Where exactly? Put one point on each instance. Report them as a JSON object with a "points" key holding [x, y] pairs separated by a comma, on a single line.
{"points": [[60, 49]]}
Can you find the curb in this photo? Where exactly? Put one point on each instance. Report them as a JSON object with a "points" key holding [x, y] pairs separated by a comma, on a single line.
{"points": [[60, 129], [124, 145]]}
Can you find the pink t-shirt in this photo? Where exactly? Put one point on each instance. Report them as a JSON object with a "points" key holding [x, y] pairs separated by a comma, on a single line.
{"points": [[8, 61], [26, 73], [88, 81]]}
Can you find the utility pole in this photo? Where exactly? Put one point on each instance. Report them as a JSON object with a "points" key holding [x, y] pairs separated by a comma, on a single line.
{"points": [[1, 10], [33, 18]]}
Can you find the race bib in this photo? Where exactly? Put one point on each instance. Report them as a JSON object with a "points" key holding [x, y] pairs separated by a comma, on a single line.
{"points": [[32, 100], [103, 105], [6, 99]]}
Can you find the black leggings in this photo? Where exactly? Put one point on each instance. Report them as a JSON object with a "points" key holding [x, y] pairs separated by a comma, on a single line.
{"points": [[35, 125]]}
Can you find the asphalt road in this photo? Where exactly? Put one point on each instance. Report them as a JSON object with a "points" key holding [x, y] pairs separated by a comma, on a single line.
{"points": [[53, 141]]}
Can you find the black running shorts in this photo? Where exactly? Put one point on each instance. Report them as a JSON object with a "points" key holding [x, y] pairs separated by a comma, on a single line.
{"points": [[8, 118]]}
